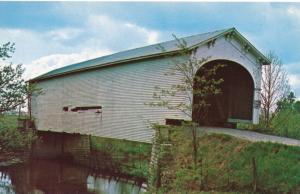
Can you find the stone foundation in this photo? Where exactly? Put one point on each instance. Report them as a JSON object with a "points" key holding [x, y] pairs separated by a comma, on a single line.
{"points": [[52, 145]]}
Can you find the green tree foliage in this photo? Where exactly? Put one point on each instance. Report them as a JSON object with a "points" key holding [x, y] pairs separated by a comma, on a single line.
{"points": [[297, 106], [286, 121], [6, 50], [13, 93], [12, 85], [286, 102], [13, 89]]}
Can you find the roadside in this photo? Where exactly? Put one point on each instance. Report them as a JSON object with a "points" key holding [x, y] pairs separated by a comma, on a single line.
{"points": [[252, 136], [231, 161]]}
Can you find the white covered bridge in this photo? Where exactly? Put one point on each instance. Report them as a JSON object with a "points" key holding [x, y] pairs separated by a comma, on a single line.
{"points": [[106, 96]]}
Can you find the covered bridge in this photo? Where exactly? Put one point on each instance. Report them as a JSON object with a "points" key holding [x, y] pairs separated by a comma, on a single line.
{"points": [[106, 96]]}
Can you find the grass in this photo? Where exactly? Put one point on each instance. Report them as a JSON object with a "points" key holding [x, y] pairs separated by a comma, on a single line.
{"points": [[12, 139], [131, 157], [225, 165], [8, 122], [286, 123]]}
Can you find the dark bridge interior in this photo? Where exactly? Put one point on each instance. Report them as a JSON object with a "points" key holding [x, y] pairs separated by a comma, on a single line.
{"points": [[235, 101]]}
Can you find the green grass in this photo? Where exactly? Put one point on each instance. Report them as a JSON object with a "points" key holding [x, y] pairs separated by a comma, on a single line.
{"points": [[12, 139], [131, 157], [286, 123], [8, 122], [225, 165]]}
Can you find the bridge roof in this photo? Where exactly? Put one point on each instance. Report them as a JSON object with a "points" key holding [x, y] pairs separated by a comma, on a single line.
{"points": [[147, 52]]}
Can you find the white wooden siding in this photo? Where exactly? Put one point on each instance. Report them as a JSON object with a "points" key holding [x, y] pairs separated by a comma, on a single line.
{"points": [[122, 91]]}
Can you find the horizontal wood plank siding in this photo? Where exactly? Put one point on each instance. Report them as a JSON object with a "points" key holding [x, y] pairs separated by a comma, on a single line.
{"points": [[122, 91]]}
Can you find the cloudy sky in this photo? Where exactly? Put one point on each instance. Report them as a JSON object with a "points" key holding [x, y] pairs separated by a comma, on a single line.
{"points": [[51, 35]]}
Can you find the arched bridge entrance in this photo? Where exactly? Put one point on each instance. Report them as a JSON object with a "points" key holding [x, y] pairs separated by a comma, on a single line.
{"points": [[234, 103]]}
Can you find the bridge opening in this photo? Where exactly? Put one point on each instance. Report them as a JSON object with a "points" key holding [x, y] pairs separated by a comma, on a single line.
{"points": [[234, 103]]}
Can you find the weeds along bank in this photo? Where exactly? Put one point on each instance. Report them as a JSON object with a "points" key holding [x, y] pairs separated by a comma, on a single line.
{"points": [[228, 164], [128, 157], [15, 144]]}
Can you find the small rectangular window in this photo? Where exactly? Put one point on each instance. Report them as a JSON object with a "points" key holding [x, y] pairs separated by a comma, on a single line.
{"points": [[87, 108], [176, 122]]}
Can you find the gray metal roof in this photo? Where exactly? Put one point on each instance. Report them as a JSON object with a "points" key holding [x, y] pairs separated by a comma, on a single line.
{"points": [[137, 54]]}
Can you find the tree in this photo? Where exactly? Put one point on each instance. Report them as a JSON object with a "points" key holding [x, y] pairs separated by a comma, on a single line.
{"points": [[275, 87], [13, 89], [207, 85], [286, 102], [297, 106]]}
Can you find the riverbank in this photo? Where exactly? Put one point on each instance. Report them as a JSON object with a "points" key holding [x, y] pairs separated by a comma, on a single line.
{"points": [[229, 164], [128, 157], [9, 159], [15, 144]]}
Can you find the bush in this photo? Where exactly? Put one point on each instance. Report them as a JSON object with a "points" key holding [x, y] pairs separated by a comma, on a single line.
{"points": [[12, 139], [286, 123]]}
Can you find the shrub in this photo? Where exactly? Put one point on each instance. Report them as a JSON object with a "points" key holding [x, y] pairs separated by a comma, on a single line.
{"points": [[12, 139]]}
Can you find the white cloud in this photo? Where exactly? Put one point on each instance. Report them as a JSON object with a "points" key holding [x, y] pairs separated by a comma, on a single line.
{"points": [[64, 34], [293, 11], [54, 61], [42, 51], [294, 81], [151, 35], [119, 34]]}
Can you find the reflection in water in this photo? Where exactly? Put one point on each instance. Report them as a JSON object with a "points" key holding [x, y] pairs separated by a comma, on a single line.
{"points": [[5, 184], [54, 177], [102, 185]]}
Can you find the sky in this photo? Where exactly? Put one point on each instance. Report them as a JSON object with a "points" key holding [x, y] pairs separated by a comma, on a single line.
{"points": [[49, 35]]}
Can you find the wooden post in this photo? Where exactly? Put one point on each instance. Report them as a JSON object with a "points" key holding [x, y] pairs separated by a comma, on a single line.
{"points": [[254, 175]]}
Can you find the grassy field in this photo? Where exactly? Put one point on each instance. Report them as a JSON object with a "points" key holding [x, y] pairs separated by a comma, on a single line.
{"points": [[225, 164]]}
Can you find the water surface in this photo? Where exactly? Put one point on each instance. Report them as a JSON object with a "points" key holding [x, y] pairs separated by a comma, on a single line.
{"points": [[58, 177]]}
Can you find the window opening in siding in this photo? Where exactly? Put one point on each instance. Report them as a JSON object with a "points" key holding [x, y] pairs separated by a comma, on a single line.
{"points": [[82, 109], [176, 122], [97, 109]]}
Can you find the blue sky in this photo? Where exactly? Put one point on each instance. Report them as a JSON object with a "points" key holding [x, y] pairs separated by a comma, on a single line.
{"points": [[49, 35]]}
